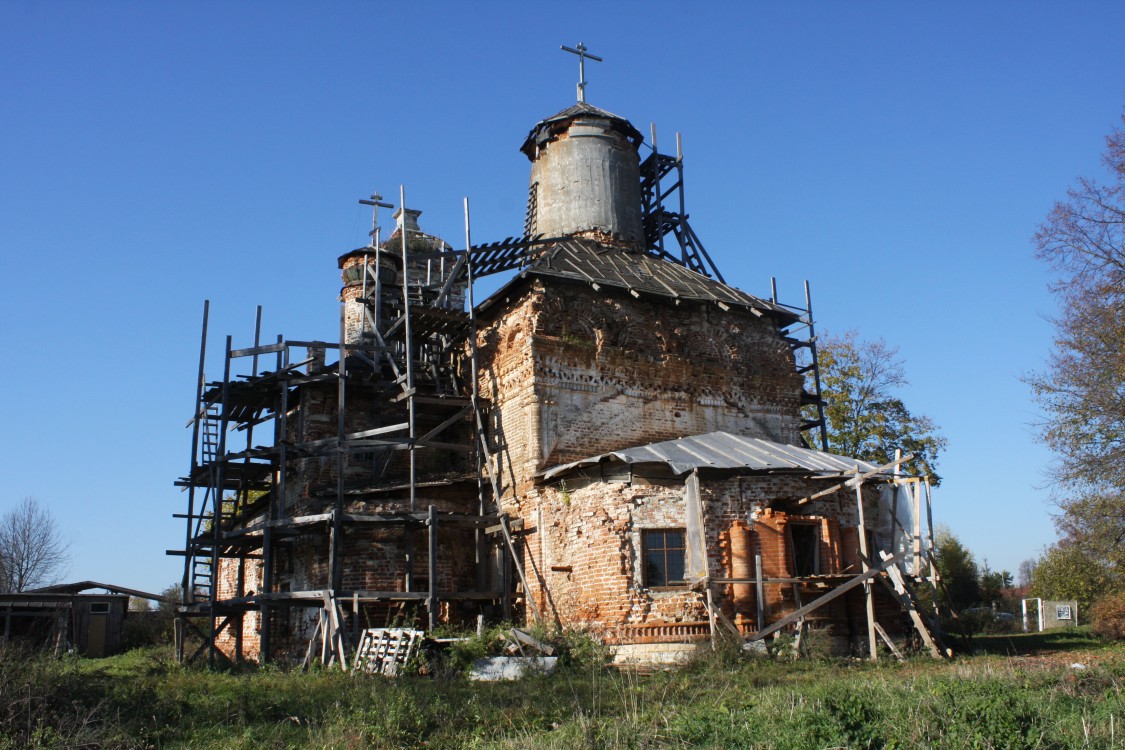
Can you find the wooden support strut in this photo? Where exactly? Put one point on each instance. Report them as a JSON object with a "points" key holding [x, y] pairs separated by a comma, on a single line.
{"points": [[869, 594], [931, 639], [856, 479], [527, 597], [712, 620], [431, 567], [759, 591], [887, 640], [821, 601]]}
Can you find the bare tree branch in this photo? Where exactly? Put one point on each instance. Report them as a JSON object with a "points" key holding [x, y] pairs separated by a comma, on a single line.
{"points": [[33, 552]]}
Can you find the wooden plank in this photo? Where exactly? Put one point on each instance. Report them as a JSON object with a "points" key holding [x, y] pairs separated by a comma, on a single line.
{"points": [[887, 640], [527, 597], [909, 604], [457, 416], [760, 591], [431, 567], [856, 479], [930, 535], [821, 601], [916, 493], [251, 351], [822, 581], [307, 344], [442, 400], [324, 637], [377, 431], [528, 640], [725, 621], [516, 524], [455, 447], [869, 602], [309, 652], [334, 441], [711, 618], [337, 634]]}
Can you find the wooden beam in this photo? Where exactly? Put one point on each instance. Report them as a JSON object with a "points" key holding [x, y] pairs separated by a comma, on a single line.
{"points": [[528, 640], [872, 643], [725, 621], [516, 524], [856, 479], [457, 416], [711, 619], [759, 591], [807, 581], [527, 597], [916, 496], [431, 568], [908, 603], [887, 640]]}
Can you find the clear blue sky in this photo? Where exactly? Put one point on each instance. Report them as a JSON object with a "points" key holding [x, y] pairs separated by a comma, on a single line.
{"points": [[897, 155]]}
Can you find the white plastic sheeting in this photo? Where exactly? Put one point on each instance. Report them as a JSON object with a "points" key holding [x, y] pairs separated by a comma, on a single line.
{"points": [[696, 544], [894, 525]]}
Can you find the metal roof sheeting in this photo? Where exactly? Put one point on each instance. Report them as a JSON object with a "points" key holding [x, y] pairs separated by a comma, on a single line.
{"points": [[542, 130], [723, 450], [589, 261]]}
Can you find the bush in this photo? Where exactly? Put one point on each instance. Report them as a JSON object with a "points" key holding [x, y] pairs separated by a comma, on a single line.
{"points": [[143, 628], [1108, 617]]}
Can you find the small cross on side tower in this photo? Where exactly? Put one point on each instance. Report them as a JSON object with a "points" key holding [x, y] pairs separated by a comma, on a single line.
{"points": [[376, 202]]}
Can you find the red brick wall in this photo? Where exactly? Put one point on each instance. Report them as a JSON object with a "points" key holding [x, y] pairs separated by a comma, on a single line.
{"points": [[583, 551], [574, 372]]}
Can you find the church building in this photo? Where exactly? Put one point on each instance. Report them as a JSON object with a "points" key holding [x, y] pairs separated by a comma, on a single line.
{"points": [[615, 441]]}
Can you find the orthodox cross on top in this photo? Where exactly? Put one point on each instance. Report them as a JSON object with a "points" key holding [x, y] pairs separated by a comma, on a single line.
{"points": [[376, 202], [582, 55]]}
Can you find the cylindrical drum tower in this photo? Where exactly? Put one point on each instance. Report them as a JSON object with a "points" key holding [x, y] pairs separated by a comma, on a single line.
{"points": [[585, 176]]}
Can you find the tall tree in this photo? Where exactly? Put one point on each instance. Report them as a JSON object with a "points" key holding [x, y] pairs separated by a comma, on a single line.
{"points": [[865, 416], [958, 569], [32, 549], [994, 585], [1027, 572], [1082, 390]]}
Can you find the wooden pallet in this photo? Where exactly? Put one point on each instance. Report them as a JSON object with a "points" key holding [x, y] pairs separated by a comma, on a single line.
{"points": [[385, 650]]}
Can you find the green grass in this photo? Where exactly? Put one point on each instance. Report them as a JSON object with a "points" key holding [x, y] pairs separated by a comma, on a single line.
{"points": [[990, 700], [1077, 640]]}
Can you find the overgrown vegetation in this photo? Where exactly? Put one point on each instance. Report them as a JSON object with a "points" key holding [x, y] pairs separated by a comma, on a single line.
{"points": [[143, 699]]}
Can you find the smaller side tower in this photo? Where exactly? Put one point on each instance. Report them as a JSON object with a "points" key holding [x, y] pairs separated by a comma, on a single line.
{"points": [[375, 297]]}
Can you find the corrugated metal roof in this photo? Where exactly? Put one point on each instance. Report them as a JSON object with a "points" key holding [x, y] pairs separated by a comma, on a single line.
{"points": [[723, 450], [594, 263]]}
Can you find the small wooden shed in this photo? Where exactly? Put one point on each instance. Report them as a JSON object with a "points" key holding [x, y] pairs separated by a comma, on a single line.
{"points": [[62, 617]]}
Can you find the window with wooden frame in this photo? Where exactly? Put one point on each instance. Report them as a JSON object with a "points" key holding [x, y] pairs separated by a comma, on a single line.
{"points": [[663, 552], [804, 545]]}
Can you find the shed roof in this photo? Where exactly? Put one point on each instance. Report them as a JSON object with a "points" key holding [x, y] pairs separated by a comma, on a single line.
{"points": [[723, 450], [80, 586]]}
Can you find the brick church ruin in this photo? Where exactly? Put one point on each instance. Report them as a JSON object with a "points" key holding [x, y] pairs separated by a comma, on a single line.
{"points": [[616, 440]]}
